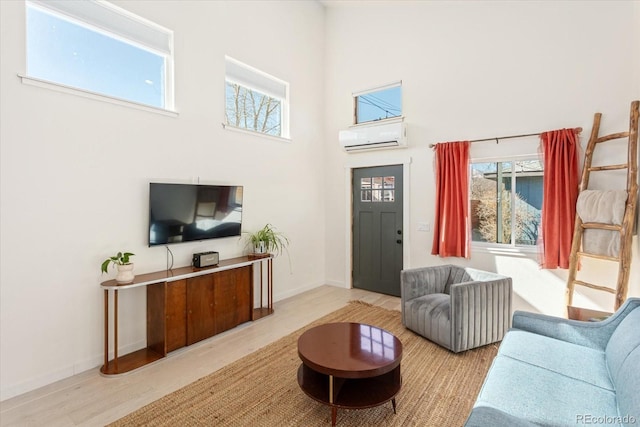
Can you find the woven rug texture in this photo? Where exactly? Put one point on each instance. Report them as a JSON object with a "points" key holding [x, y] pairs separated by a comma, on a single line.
{"points": [[261, 389]]}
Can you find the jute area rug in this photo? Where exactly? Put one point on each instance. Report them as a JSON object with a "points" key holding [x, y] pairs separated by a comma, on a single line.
{"points": [[261, 389]]}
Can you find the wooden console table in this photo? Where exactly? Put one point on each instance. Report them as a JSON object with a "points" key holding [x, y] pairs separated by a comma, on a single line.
{"points": [[186, 305]]}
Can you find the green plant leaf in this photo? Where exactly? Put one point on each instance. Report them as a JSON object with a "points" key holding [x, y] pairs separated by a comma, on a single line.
{"points": [[120, 258]]}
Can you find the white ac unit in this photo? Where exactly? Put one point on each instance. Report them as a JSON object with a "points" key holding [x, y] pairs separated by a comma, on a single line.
{"points": [[374, 136]]}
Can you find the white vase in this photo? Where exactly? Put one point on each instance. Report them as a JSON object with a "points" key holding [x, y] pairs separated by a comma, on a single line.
{"points": [[125, 273], [260, 247]]}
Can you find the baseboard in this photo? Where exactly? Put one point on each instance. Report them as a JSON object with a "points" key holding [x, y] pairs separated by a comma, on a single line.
{"points": [[296, 291], [63, 373]]}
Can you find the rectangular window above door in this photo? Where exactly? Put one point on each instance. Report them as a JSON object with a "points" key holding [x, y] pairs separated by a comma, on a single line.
{"points": [[377, 104]]}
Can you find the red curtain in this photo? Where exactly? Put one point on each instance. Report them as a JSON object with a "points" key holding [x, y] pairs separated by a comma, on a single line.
{"points": [[451, 228], [560, 193]]}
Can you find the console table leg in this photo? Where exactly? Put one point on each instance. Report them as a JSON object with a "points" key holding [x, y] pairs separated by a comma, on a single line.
{"points": [[393, 403], [334, 411], [261, 298], [270, 284], [106, 330], [115, 329]]}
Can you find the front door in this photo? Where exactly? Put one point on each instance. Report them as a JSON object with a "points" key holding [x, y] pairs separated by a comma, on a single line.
{"points": [[377, 228]]}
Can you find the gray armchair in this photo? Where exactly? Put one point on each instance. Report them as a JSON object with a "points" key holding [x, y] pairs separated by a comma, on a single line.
{"points": [[455, 307]]}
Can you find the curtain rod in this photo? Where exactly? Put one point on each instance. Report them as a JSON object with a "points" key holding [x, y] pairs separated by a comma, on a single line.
{"points": [[498, 138]]}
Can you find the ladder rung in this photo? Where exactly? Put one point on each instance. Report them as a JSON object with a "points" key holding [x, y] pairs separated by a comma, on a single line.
{"points": [[601, 226], [592, 286], [612, 136], [605, 257], [609, 167]]}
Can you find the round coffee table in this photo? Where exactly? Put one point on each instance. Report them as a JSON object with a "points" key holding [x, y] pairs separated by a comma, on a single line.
{"points": [[349, 365]]}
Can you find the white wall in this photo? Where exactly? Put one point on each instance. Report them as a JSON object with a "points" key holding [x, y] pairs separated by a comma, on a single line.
{"points": [[474, 70], [75, 174]]}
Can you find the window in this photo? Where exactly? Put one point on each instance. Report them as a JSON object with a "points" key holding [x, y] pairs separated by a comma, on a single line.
{"points": [[377, 189], [506, 201], [100, 48], [255, 101], [378, 104]]}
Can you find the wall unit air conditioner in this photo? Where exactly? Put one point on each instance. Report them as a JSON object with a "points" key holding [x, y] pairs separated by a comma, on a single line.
{"points": [[374, 136]]}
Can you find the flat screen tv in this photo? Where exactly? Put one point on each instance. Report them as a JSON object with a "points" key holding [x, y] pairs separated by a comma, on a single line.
{"points": [[191, 212]]}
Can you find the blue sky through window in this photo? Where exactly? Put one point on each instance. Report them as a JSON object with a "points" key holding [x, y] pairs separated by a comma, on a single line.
{"points": [[70, 54], [379, 105]]}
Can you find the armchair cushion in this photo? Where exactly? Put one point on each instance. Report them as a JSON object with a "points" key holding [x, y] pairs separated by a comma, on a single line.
{"points": [[436, 307]]}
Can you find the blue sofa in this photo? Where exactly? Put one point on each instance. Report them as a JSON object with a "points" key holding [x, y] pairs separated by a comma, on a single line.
{"points": [[551, 371]]}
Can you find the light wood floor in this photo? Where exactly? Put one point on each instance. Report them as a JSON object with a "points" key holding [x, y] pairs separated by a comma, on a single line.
{"points": [[88, 399]]}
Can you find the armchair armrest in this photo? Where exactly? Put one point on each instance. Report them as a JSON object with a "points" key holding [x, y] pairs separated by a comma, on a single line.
{"points": [[480, 312], [589, 334]]}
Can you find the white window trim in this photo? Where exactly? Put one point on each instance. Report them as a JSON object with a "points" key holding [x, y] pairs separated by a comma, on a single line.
{"points": [[46, 84], [251, 132], [377, 88], [64, 10], [500, 248]]}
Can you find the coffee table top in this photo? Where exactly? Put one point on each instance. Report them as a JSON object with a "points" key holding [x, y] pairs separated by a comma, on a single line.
{"points": [[350, 350]]}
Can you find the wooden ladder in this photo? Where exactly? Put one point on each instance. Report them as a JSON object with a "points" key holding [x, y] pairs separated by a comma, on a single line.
{"points": [[625, 229]]}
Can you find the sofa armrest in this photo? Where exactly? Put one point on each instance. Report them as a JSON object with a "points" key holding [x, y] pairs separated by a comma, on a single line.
{"points": [[589, 334], [480, 312], [484, 416]]}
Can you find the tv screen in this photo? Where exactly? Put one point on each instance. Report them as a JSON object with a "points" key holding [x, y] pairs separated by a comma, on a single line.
{"points": [[191, 212]]}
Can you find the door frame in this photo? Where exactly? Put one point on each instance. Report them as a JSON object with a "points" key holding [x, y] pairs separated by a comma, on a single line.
{"points": [[405, 161]]}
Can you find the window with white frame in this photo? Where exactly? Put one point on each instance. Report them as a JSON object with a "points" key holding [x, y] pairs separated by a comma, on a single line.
{"points": [[506, 201], [100, 48], [255, 101], [381, 103]]}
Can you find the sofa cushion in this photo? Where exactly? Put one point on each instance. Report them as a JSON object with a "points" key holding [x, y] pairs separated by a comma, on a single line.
{"points": [[430, 316], [541, 396], [624, 340], [572, 360]]}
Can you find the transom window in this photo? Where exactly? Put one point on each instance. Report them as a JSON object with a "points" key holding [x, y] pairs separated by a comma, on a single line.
{"points": [[100, 48], [378, 189], [255, 101], [506, 201], [378, 104]]}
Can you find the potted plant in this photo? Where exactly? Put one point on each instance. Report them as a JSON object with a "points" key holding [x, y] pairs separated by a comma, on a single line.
{"points": [[267, 240], [123, 265]]}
